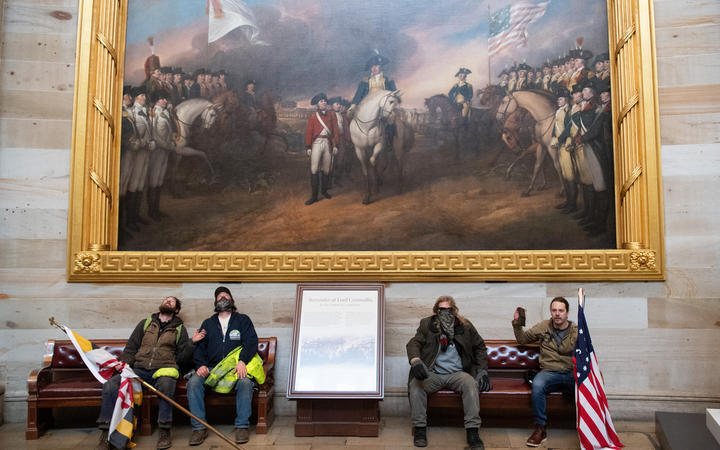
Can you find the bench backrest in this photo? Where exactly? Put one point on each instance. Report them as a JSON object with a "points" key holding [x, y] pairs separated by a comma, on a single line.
{"points": [[61, 354], [507, 354]]}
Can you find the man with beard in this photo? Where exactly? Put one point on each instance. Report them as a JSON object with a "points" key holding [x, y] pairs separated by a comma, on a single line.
{"points": [[226, 336], [447, 352], [557, 338], [157, 350]]}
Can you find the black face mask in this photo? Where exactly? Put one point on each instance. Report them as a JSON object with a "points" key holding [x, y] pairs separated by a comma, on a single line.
{"points": [[224, 304]]}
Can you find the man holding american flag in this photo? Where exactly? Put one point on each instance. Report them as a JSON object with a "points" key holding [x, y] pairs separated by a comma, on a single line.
{"points": [[557, 338]]}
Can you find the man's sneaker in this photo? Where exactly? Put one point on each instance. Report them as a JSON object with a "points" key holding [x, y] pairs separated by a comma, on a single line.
{"points": [[538, 437], [242, 435], [420, 438], [164, 439], [198, 437], [473, 439]]}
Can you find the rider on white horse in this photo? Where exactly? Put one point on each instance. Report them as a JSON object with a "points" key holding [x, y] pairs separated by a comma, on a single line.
{"points": [[375, 82]]}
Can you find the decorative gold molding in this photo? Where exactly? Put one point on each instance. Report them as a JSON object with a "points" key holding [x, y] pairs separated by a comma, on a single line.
{"points": [[106, 43], [92, 232], [87, 262], [629, 182], [642, 260], [100, 183], [108, 117]]}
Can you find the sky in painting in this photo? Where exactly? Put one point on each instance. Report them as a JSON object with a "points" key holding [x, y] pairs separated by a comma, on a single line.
{"points": [[323, 45]]}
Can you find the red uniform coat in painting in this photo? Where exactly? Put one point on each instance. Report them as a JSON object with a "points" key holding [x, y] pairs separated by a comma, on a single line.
{"points": [[314, 128]]}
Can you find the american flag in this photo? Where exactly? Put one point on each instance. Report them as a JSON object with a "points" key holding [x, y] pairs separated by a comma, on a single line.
{"points": [[508, 26], [594, 425]]}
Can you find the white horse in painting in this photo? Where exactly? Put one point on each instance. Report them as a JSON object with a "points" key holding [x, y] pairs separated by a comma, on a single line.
{"points": [[186, 113], [367, 131], [542, 109]]}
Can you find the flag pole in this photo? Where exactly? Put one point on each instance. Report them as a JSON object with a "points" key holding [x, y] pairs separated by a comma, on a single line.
{"points": [[581, 297], [171, 401], [181, 408]]}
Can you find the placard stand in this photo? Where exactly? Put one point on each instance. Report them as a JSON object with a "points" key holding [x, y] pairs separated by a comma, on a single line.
{"points": [[337, 417]]}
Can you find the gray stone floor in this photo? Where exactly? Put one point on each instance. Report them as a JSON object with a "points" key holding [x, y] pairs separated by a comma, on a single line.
{"points": [[394, 434]]}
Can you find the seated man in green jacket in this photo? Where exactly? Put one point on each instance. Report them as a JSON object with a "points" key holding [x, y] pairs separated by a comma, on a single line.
{"points": [[557, 338], [157, 349]]}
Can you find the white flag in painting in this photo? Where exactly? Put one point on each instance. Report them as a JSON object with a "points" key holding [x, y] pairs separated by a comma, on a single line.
{"points": [[226, 15]]}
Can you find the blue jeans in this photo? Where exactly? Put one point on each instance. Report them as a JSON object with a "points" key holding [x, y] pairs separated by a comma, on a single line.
{"points": [[547, 381], [243, 401], [166, 385]]}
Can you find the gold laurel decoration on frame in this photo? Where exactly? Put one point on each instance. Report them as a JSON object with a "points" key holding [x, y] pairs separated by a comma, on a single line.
{"points": [[629, 182], [106, 115], [87, 262], [643, 260], [108, 46], [100, 183]]}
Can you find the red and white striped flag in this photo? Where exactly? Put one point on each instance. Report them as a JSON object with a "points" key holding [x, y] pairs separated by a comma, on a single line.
{"points": [[103, 365], [594, 425], [509, 25]]}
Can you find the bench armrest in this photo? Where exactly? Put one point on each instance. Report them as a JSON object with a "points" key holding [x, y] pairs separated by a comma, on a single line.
{"points": [[38, 379]]}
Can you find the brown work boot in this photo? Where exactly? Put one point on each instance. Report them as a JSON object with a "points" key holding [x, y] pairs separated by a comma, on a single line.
{"points": [[164, 439], [538, 437], [242, 435], [198, 437]]}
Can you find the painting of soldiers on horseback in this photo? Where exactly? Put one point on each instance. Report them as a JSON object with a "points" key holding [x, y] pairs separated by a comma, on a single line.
{"points": [[268, 125]]}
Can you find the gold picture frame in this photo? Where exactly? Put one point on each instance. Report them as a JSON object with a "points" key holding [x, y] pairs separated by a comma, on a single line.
{"points": [[92, 221]]}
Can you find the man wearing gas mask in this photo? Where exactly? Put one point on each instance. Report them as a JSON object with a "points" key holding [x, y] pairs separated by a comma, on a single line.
{"points": [[447, 352], [227, 340]]}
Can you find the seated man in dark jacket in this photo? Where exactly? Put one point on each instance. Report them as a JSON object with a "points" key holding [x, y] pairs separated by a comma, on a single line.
{"points": [[447, 351], [157, 349], [222, 334]]}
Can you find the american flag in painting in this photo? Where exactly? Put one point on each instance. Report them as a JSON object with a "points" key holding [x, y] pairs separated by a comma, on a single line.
{"points": [[594, 425], [508, 26]]}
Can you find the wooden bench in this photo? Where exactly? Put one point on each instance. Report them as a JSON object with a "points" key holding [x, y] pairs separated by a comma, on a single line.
{"points": [[508, 403], [64, 381]]}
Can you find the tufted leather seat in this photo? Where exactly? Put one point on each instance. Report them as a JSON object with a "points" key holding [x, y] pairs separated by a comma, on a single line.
{"points": [[64, 381], [508, 403]]}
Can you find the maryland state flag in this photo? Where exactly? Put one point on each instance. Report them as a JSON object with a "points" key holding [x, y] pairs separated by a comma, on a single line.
{"points": [[103, 366]]}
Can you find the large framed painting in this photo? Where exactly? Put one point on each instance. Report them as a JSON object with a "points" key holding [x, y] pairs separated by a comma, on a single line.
{"points": [[302, 140], [338, 341]]}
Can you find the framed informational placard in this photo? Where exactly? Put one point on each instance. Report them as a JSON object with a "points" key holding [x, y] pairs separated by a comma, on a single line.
{"points": [[338, 341]]}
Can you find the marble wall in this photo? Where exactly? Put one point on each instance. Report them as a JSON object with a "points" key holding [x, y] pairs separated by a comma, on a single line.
{"points": [[657, 342]]}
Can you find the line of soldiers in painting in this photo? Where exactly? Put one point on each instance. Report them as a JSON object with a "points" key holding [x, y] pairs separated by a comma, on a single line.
{"points": [[181, 86], [147, 140], [582, 130], [564, 72], [150, 134]]}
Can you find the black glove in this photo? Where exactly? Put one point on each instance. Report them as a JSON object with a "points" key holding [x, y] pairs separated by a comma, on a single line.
{"points": [[418, 370], [483, 380], [521, 319]]}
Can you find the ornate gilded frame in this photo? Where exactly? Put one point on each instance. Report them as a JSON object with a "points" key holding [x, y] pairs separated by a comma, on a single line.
{"points": [[92, 221]]}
